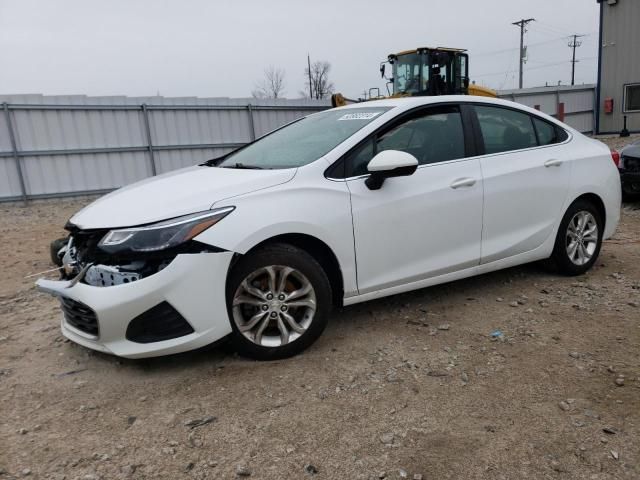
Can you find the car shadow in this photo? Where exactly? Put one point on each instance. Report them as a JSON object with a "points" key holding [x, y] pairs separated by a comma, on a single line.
{"points": [[221, 354]]}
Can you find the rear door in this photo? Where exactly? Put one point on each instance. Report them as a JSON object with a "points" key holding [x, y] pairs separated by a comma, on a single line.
{"points": [[526, 179]]}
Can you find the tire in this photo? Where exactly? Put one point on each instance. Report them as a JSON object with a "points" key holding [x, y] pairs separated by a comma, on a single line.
{"points": [[571, 230], [258, 312]]}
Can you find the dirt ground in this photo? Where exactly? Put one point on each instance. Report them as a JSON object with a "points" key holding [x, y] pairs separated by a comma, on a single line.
{"points": [[412, 386]]}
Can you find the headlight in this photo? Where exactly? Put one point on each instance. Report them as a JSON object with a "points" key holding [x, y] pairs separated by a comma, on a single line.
{"points": [[161, 235]]}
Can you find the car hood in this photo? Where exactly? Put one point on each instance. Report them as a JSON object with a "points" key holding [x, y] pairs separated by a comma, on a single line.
{"points": [[176, 193]]}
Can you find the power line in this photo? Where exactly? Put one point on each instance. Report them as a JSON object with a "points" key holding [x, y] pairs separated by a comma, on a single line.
{"points": [[573, 44], [547, 31], [552, 28], [530, 45], [522, 24], [538, 67], [505, 50]]}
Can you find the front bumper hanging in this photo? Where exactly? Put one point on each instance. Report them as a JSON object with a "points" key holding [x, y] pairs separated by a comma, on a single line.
{"points": [[191, 287]]}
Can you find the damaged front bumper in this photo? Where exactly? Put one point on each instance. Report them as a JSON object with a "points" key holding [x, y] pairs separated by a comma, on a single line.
{"points": [[184, 301]]}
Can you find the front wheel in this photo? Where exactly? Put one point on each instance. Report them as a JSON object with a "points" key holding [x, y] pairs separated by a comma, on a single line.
{"points": [[579, 239], [279, 299]]}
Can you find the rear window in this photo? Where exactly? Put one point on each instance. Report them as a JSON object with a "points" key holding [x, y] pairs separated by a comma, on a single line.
{"points": [[504, 129]]}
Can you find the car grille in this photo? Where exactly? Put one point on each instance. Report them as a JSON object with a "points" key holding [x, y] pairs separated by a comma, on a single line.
{"points": [[79, 316], [631, 164]]}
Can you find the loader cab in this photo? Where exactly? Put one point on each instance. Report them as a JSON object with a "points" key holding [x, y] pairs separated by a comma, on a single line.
{"points": [[430, 71]]}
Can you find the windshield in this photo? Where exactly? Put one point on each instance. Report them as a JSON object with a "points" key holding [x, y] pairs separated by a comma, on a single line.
{"points": [[406, 76], [304, 141]]}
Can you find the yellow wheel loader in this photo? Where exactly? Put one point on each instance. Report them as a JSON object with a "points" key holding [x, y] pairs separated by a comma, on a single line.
{"points": [[425, 71]]}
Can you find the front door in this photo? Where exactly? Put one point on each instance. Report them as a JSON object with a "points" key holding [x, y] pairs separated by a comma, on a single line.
{"points": [[424, 225]]}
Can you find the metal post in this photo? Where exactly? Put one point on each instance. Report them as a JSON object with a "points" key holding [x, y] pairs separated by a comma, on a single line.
{"points": [[625, 130], [596, 109], [145, 114], [14, 149], [573, 45], [522, 24], [561, 112], [251, 124]]}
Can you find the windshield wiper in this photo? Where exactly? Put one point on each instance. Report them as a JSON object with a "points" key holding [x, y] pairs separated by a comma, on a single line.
{"points": [[243, 166]]}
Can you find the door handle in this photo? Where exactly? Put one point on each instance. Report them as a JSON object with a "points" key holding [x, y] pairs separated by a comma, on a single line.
{"points": [[463, 182], [553, 163]]}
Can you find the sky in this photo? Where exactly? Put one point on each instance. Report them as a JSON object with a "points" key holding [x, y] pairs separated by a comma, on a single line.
{"points": [[220, 48]]}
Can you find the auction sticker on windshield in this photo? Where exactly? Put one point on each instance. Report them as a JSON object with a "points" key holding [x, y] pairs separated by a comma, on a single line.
{"points": [[359, 116]]}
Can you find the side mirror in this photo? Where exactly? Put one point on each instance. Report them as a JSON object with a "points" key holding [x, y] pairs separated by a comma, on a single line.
{"points": [[387, 164], [383, 68]]}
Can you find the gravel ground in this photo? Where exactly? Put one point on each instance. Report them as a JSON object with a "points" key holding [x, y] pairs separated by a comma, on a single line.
{"points": [[615, 141], [411, 386]]}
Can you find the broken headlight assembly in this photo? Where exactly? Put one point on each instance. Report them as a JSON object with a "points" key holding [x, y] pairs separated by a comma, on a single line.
{"points": [[161, 235]]}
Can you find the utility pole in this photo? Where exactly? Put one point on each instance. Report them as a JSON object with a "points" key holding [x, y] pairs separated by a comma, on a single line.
{"points": [[522, 24], [575, 43], [309, 67]]}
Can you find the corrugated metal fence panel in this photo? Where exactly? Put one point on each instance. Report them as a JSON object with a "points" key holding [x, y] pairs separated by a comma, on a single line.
{"points": [[57, 136], [173, 159], [48, 175], [9, 180], [578, 102], [183, 127], [5, 142], [546, 102], [268, 120], [73, 129], [583, 122]]}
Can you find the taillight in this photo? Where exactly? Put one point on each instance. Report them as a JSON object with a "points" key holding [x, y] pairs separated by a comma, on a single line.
{"points": [[615, 156]]}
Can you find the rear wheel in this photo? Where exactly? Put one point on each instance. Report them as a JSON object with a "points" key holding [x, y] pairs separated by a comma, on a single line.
{"points": [[279, 299], [579, 239]]}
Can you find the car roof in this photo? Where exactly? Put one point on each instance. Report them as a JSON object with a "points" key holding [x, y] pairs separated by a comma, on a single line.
{"points": [[427, 100], [407, 103]]}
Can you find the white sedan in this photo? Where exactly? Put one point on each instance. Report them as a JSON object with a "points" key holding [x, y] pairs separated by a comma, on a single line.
{"points": [[336, 208]]}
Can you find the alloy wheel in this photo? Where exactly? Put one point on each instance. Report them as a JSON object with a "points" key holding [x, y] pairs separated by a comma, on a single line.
{"points": [[582, 237], [274, 305]]}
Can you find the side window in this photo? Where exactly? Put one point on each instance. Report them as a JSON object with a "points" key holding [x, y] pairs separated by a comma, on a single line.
{"points": [[433, 136], [504, 130], [547, 133], [359, 158]]}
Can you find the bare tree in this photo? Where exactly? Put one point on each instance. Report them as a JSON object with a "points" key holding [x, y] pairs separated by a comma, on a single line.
{"points": [[272, 85], [317, 75]]}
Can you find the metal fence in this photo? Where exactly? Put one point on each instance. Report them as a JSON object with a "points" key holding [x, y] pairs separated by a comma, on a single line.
{"points": [[72, 145], [572, 105], [64, 146]]}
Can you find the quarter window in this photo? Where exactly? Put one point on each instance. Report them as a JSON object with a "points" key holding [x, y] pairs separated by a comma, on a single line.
{"points": [[547, 133], [431, 137], [504, 130]]}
